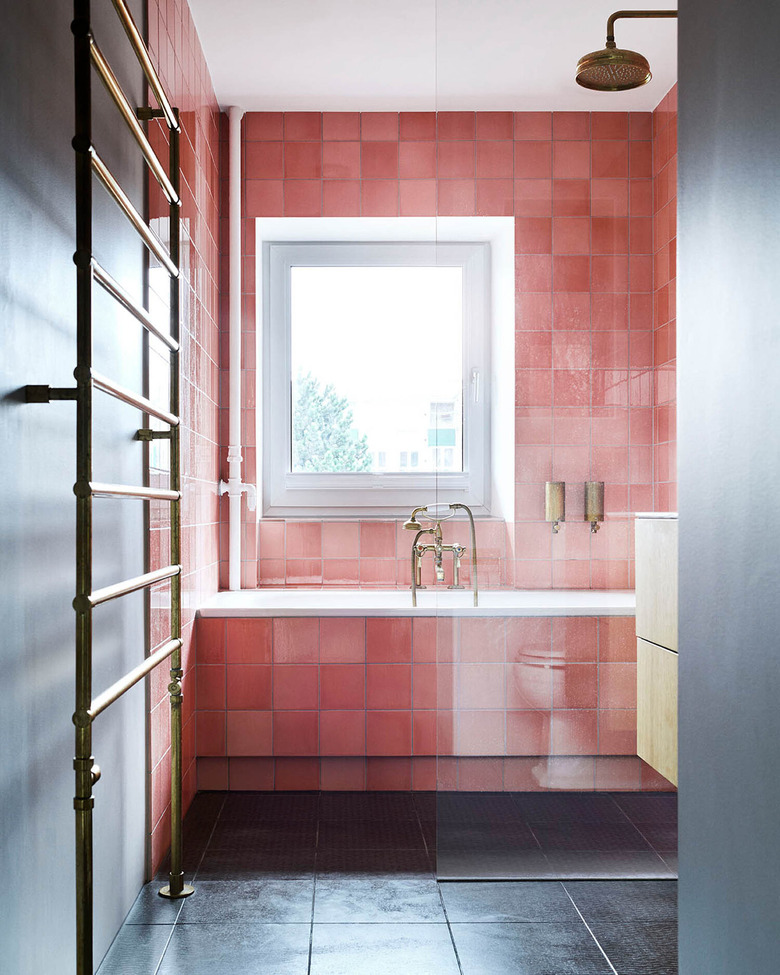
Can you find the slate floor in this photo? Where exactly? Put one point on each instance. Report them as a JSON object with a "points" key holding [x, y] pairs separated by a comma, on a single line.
{"points": [[345, 884]]}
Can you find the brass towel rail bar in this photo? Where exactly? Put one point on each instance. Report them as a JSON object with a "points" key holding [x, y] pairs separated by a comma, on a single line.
{"points": [[88, 57]]}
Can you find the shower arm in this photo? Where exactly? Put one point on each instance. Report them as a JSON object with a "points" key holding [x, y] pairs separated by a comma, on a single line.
{"points": [[466, 508], [643, 14]]}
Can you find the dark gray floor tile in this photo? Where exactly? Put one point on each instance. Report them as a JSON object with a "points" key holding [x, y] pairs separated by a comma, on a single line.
{"points": [[613, 865], [256, 865], [374, 862], [361, 835], [347, 899], [136, 950], [283, 807], [224, 949], [662, 838], [568, 807], [590, 837], [150, 908], [477, 808], [652, 807], [426, 805], [639, 949], [515, 865], [367, 806], [618, 901], [529, 901], [270, 837], [249, 901], [382, 949], [500, 837], [528, 949]]}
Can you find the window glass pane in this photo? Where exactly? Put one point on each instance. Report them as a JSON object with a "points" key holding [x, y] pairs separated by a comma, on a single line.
{"points": [[377, 368]]}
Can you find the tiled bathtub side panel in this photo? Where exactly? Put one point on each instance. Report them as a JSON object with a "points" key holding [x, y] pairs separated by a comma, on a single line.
{"points": [[401, 703]]}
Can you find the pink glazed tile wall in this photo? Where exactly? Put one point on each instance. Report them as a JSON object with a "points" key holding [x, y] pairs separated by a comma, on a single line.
{"points": [[177, 54], [665, 311], [580, 188], [395, 703]]}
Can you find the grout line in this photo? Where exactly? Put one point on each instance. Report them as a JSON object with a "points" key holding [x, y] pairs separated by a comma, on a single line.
{"points": [[590, 932]]}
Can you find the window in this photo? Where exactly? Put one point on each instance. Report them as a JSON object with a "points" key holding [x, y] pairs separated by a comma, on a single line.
{"points": [[375, 376]]}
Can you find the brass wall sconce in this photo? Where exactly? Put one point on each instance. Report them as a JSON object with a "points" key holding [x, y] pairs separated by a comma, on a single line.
{"points": [[594, 504], [555, 503]]}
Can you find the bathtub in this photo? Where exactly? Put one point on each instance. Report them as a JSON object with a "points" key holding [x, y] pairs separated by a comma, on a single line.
{"points": [[398, 602]]}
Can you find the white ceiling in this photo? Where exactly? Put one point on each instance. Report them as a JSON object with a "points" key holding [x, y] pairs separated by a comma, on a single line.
{"points": [[417, 55]]}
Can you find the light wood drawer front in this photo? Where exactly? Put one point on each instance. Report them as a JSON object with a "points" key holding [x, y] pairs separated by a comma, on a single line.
{"points": [[657, 708], [656, 580]]}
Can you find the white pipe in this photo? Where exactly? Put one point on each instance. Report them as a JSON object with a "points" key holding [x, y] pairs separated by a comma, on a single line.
{"points": [[234, 487]]}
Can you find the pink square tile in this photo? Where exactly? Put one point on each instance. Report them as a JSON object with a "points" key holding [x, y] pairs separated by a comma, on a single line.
{"points": [[480, 686], [393, 774], [610, 159], [575, 638], [527, 732], [417, 126], [303, 572], [212, 775], [210, 732], [618, 773], [640, 125], [302, 160], [377, 539], [529, 679], [456, 125], [304, 539], [571, 349], [610, 311], [249, 732], [379, 198], [640, 159], [617, 732], [533, 272], [494, 197], [262, 125], [575, 686], [251, 774], [296, 774], [340, 539], [418, 197], [571, 125], [493, 160], [571, 463], [388, 640], [210, 640], [571, 197], [533, 125], [296, 641], [388, 686], [424, 733], [211, 687], [609, 125], [389, 733], [342, 686], [571, 273], [571, 235], [248, 641], [571, 574], [652, 781], [263, 160], [481, 733], [533, 463], [424, 635], [532, 197], [417, 160], [379, 160], [341, 160], [378, 572], [303, 126], [610, 197], [379, 126], [340, 572], [533, 387], [610, 235], [574, 732], [610, 273], [343, 640], [263, 198], [641, 197], [271, 539], [571, 310], [341, 198], [424, 686], [533, 235], [494, 125], [480, 774], [342, 774], [571, 387], [342, 733], [341, 125], [302, 198], [456, 159], [533, 350], [249, 687], [617, 685], [533, 160], [571, 160], [533, 311], [296, 686], [295, 732]]}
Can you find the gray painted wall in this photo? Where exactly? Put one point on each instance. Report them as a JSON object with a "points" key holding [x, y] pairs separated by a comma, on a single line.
{"points": [[729, 449], [37, 510]]}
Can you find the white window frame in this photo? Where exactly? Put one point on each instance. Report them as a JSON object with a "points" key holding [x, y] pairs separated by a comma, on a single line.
{"points": [[380, 494]]}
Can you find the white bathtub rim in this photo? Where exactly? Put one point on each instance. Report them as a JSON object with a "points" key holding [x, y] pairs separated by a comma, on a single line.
{"points": [[248, 603]]}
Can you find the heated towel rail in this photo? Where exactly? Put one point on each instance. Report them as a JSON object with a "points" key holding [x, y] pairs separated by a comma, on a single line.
{"points": [[89, 165]]}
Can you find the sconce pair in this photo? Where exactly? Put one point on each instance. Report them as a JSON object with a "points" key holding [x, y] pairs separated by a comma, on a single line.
{"points": [[555, 503]]}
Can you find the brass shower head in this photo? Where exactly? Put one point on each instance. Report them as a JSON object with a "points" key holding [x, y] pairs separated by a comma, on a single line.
{"points": [[613, 68], [413, 525]]}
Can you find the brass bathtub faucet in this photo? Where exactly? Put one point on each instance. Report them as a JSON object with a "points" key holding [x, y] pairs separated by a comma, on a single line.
{"points": [[436, 513]]}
